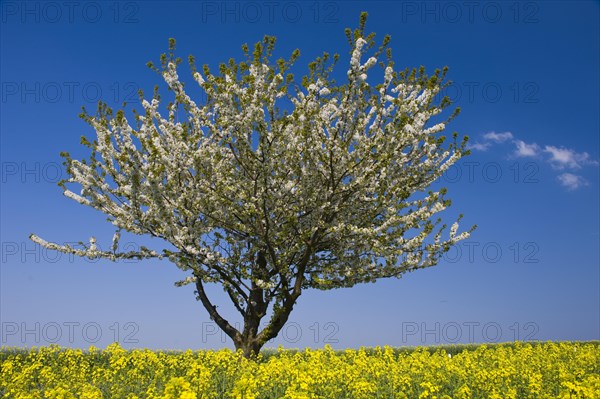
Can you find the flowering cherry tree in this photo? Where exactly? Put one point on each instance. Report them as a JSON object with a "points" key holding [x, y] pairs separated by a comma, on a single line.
{"points": [[329, 192]]}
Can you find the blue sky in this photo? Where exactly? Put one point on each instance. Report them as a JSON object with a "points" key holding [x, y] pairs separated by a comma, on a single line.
{"points": [[525, 75]]}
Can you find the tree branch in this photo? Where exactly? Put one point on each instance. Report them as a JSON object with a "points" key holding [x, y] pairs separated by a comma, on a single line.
{"points": [[231, 331]]}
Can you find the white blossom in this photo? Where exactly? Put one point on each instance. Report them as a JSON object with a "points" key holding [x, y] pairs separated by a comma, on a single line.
{"points": [[115, 241], [76, 197], [198, 78], [370, 62], [453, 229], [355, 61]]}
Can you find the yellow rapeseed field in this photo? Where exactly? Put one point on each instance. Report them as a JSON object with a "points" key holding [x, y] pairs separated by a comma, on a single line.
{"points": [[517, 370]]}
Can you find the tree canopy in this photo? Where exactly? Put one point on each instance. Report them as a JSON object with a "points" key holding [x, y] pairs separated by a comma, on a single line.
{"points": [[272, 186]]}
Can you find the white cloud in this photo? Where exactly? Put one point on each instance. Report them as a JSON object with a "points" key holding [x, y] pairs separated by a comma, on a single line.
{"points": [[489, 139], [498, 137], [561, 158], [571, 181], [479, 146], [526, 150]]}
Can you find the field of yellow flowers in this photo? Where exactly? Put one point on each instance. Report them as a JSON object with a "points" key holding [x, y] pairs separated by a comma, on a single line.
{"points": [[516, 370]]}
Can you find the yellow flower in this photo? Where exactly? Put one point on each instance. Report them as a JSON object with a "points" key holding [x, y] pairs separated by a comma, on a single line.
{"points": [[178, 388]]}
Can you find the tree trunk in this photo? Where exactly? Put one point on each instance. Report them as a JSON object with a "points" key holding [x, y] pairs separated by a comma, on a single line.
{"points": [[250, 349], [250, 340]]}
